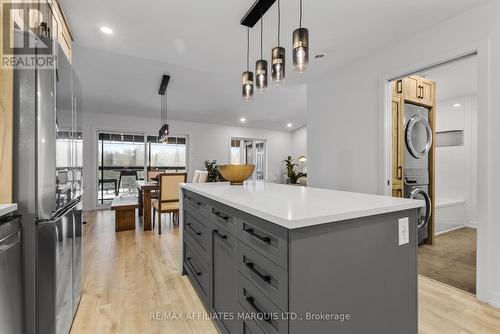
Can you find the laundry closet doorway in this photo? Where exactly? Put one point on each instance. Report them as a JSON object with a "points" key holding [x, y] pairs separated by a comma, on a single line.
{"points": [[437, 161]]}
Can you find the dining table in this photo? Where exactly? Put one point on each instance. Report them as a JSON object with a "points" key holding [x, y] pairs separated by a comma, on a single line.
{"points": [[145, 188]]}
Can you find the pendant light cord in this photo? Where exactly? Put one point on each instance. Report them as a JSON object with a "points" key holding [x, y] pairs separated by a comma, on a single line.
{"points": [[300, 17], [161, 110], [279, 21], [248, 48], [261, 33]]}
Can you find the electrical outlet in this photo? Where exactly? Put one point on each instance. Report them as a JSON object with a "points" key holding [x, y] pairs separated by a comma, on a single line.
{"points": [[404, 231]]}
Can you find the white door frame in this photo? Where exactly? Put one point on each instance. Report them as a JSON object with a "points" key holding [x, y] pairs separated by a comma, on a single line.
{"points": [[253, 150], [482, 50]]}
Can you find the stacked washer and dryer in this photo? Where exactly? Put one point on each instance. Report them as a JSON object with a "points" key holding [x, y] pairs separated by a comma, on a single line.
{"points": [[418, 143]]}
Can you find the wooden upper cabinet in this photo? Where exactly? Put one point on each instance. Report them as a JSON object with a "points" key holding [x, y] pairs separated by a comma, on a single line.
{"points": [[63, 30], [397, 88], [427, 92], [411, 88], [419, 90]]}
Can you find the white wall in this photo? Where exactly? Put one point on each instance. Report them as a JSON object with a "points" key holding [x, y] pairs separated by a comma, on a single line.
{"points": [[455, 165], [206, 142], [346, 114], [299, 144]]}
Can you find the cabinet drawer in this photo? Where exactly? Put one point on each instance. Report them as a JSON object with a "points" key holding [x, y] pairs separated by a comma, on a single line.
{"points": [[269, 239], [270, 278], [224, 217], [268, 316], [198, 231], [249, 326], [195, 203], [224, 283], [198, 271]]}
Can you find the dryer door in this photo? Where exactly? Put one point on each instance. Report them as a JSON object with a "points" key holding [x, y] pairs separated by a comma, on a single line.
{"points": [[418, 136], [425, 213]]}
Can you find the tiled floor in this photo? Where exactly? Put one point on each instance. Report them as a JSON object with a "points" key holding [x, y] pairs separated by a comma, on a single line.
{"points": [[452, 260]]}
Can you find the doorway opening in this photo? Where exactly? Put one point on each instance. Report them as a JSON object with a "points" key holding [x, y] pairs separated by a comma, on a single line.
{"points": [[434, 149], [249, 151]]}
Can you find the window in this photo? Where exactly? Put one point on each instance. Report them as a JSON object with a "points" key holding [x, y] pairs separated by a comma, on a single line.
{"points": [[123, 158], [167, 156]]}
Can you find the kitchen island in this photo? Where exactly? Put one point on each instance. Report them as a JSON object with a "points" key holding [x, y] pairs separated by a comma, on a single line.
{"points": [[269, 258]]}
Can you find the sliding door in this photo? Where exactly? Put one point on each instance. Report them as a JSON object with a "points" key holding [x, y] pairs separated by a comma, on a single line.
{"points": [[120, 164]]}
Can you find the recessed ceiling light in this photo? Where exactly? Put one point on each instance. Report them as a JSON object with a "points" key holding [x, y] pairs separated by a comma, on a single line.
{"points": [[243, 120], [457, 105], [289, 125], [106, 30], [319, 55]]}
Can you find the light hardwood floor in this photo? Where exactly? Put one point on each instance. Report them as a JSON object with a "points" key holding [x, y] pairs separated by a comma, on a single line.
{"points": [[128, 275]]}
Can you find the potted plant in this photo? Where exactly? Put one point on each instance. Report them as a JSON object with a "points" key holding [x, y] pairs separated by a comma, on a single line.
{"points": [[211, 167], [290, 170]]}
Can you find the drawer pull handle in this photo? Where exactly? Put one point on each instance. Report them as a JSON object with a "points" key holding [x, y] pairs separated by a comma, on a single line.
{"points": [[194, 201], [251, 301], [250, 231], [198, 273], [191, 227], [221, 216], [222, 236], [265, 278]]}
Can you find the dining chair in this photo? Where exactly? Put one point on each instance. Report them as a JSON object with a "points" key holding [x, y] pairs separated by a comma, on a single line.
{"points": [[196, 176], [168, 201], [153, 173], [203, 176]]}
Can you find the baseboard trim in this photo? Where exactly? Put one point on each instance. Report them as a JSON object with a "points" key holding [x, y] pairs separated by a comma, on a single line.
{"points": [[494, 299], [472, 224], [450, 229]]}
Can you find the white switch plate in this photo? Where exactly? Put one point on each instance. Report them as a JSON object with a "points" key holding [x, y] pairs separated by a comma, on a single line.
{"points": [[404, 231]]}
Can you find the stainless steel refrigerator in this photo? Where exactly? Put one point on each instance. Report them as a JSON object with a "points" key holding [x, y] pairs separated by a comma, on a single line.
{"points": [[47, 188]]}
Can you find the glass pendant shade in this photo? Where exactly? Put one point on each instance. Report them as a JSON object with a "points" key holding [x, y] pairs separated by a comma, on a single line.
{"points": [[300, 53], [278, 65], [247, 85], [261, 75], [163, 133]]}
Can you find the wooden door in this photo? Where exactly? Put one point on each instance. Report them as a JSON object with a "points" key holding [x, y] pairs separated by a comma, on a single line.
{"points": [[397, 146], [411, 89]]}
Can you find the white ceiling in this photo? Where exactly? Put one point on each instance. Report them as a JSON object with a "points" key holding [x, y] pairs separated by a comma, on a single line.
{"points": [[455, 79], [201, 45]]}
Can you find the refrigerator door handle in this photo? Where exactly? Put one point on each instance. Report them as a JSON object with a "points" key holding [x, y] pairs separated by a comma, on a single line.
{"points": [[60, 213]]}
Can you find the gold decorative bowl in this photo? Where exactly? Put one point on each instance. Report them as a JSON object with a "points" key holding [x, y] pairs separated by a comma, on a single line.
{"points": [[236, 174]]}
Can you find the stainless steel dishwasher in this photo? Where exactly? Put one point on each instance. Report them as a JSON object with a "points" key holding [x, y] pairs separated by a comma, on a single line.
{"points": [[11, 295]]}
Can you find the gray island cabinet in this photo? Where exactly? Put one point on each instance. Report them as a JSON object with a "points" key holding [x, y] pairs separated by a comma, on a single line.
{"points": [[269, 258]]}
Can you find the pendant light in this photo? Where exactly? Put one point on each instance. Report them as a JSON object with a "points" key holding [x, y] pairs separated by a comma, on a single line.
{"points": [[164, 131], [261, 65], [278, 57], [300, 42], [247, 76]]}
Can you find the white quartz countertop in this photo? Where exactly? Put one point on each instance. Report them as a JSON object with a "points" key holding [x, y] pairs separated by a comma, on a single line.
{"points": [[295, 207], [7, 208]]}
